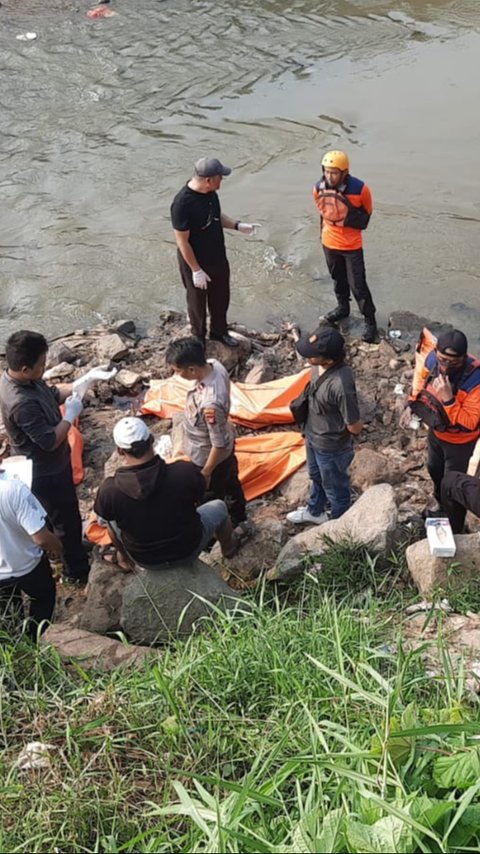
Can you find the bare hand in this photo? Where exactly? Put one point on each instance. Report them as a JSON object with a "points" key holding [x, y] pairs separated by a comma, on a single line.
{"points": [[443, 388], [405, 418], [208, 478]]}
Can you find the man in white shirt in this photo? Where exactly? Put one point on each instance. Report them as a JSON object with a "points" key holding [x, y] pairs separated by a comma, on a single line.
{"points": [[24, 566]]}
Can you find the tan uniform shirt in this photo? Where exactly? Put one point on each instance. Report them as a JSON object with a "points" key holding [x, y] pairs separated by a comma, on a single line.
{"points": [[206, 415]]}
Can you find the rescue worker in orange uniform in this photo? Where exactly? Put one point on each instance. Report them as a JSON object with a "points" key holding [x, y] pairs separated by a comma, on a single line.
{"points": [[345, 206], [449, 403]]}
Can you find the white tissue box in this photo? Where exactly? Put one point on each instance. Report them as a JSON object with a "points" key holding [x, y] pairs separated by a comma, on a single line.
{"points": [[440, 537]]}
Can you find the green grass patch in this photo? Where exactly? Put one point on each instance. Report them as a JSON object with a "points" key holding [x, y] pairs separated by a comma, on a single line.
{"points": [[302, 725]]}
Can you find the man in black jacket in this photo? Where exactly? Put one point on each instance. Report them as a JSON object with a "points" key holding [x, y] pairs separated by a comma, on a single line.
{"points": [[152, 505]]}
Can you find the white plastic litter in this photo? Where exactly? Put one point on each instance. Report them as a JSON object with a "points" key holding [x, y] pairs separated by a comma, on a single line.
{"points": [[34, 755], [26, 37], [399, 388], [443, 605], [163, 447], [395, 333]]}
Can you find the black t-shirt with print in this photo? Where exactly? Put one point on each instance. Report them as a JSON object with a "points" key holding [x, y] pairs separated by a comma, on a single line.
{"points": [[199, 213]]}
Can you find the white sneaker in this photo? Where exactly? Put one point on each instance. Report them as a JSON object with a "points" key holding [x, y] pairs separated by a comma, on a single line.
{"points": [[302, 516]]}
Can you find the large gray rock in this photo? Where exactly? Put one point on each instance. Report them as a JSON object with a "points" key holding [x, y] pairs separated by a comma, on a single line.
{"points": [[230, 356], [163, 604], [371, 521], [124, 327], [106, 584], [93, 651], [256, 555], [127, 379], [296, 489], [111, 348], [411, 325], [59, 351], [431, 574], [369, 468]]}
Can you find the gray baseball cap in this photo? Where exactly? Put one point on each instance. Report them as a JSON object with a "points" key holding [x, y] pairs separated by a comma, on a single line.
{"points": [[208, 167]]}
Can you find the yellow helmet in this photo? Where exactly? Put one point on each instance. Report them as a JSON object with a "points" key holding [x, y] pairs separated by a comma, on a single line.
{"points": [[336, 160]]}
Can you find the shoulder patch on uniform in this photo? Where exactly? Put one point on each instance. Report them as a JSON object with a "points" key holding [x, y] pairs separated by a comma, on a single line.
{"points": [[210, 414]]}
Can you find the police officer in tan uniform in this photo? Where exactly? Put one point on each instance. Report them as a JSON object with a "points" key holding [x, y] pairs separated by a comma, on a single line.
{"points": [[209, 435]]}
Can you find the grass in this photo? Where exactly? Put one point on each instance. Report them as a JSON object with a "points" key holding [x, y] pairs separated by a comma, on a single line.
{"points": [[301, 726]]}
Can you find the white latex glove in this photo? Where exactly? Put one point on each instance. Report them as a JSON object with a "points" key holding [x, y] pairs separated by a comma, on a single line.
{"points": [[201, 279], [82, 385], [248, 227], [73, 407]]}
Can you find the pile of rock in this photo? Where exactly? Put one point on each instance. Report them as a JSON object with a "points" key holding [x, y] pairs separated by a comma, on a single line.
{"points": [[388, 473]]}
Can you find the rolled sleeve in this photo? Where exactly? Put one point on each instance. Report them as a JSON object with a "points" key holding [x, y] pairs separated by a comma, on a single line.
{"points": [[218, 427]]}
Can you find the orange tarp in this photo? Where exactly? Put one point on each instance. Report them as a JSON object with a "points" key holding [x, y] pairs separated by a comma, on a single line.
{"points": [[266, 461], [253, 404], [263, 462], [75, 440]]}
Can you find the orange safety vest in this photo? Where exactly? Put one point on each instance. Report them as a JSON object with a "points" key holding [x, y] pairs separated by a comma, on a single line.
{"points": [[459, 422]]}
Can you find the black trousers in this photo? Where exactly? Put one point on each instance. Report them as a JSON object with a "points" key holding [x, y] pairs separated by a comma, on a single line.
{"points": [[224, 484], [216, 297], [57, 494], [347, 270], [460, 493], [39, 586], [443, 457]]}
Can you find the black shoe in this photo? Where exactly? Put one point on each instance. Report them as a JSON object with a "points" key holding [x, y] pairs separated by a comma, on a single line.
{"points": [[227, 339], [370, 332], [338, 313]]}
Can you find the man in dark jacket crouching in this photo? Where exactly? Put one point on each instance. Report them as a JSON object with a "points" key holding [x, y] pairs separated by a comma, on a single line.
{"points": [[151, 506]]}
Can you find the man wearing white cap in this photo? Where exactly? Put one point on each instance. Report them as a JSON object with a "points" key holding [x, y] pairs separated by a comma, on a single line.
{"points": [[198, 224], [153, 504]]}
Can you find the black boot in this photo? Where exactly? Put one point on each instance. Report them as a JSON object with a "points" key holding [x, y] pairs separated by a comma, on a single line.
{"points": [[339, 313], [370, 331]]}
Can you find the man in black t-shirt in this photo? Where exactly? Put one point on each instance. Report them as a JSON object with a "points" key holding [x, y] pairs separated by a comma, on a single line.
{"points": [[198, 225], [152, 506]]}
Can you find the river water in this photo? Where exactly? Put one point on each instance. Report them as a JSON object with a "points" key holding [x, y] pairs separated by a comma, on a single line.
{"points": [[101, 121]]}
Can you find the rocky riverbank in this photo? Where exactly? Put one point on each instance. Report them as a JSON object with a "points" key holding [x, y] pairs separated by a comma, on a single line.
{"points": [[384, 455], [384, 452]]}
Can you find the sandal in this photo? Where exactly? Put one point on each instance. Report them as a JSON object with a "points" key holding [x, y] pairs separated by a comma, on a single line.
{"points": [[114, 557], [243, 532]]}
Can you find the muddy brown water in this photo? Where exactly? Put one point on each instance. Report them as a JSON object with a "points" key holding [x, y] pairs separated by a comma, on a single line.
{"points": [[101, 121]]}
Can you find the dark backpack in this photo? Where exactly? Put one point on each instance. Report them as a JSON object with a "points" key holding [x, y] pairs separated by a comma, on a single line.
{"points": [[300, 406]]}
